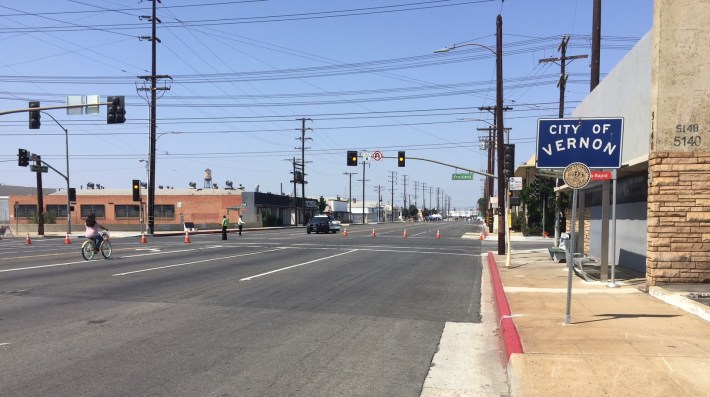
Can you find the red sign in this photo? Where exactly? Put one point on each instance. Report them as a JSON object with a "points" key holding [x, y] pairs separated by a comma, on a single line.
{"points": [[601, 175]]}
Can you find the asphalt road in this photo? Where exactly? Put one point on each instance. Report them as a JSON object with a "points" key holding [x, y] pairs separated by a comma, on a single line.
{"points": [[268, 313]]}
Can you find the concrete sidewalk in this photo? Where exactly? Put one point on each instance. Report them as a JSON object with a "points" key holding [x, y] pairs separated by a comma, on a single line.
{"points": [[620, 341]]}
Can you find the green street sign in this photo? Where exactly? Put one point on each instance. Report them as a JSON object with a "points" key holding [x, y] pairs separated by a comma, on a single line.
{"points": [[461, 177], [39, 168]]}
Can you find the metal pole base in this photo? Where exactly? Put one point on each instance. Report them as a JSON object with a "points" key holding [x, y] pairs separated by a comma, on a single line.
{"points": [[612, 284]]}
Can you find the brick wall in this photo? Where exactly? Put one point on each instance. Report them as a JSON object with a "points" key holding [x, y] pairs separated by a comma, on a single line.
{"points": [[678, 218], [203, 208]]}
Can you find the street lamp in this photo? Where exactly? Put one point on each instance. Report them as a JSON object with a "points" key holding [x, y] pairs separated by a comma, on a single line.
{"points": [[498, 52]]}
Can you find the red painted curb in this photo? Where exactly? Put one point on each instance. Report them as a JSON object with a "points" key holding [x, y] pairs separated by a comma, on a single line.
{"points": [[510, 339]]}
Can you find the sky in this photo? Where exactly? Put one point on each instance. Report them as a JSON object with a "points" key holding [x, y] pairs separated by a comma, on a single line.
{"points": [[243, 73]]}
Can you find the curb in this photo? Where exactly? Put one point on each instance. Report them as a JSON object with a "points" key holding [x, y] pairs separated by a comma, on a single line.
{"points": [[509, 337], [681, 302]]}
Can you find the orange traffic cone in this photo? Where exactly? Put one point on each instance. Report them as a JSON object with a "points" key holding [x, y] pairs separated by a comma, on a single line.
{"points": [[28, 241], [66, 239], [143, 239], [480, 236], [405, 235], [438, 235], [187, 237], [345, 233], [373, 233]]}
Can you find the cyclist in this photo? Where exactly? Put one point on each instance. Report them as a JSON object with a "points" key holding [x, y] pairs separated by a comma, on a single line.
{"points": [[93, 230]]}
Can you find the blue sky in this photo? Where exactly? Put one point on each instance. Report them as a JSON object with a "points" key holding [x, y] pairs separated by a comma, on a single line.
{"points": [[243, 72]]}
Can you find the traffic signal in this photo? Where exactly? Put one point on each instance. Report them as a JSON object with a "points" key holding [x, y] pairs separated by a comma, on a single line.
{"points": [[401, 158], [72, 194], [34, 116], [352, 158], [136, 190], [116, 110], [509, 160], [23, 158]]}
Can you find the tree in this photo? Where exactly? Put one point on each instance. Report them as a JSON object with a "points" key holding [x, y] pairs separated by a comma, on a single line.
{"points": [[533, 196], [413, 211], [482, 206], [321, 204]]}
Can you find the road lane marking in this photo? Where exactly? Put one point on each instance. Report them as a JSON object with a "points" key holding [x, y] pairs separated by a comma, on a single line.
{"points": [[41, 266], [297, 265], [194, 262]]}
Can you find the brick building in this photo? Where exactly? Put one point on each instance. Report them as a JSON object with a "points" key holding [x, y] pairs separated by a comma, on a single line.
{"points": [[116, 209]]}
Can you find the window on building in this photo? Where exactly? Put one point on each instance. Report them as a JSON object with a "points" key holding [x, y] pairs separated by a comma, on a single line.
{"points": [[127, 211], [164, 211], [97, 209], [57, 211], [26, 211]]}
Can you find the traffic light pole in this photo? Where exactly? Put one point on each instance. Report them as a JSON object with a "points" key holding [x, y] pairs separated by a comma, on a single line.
{"points": [[448, 165], [66, 145]]}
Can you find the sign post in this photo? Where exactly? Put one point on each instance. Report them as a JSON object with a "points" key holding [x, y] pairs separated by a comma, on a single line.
{"points": [[576, 176]]}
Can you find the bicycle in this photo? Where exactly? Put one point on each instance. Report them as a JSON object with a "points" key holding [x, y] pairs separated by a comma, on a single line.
{"points": [[88, 249]]}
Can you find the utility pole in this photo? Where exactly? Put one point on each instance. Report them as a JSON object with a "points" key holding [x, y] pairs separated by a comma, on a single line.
{"points": [[363, 191], [393, 180], [431, 203], [438, 203], [378, 188], [303, 140], [40, 198], [295, 193], [405, 211], [596, 43], [562, 84], [416, 189], [491, 146], [153, 113], [499, 138], [423, 195], [350, 199], [562, 59]]}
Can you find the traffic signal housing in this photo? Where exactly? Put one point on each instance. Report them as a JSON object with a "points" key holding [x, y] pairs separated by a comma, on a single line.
{"points": [[509, 160], [136, 190], [116, 110], [72, 194], [23, 158], [401, 158], [34, 116], [352, 158]]}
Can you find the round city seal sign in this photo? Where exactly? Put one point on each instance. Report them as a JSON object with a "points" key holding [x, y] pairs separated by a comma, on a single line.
{"points": [[576, 175]]}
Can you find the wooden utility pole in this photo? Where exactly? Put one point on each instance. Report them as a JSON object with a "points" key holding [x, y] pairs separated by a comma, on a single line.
{"points": [[596, 43], [562, 84], [153, 113], [303, 140]]}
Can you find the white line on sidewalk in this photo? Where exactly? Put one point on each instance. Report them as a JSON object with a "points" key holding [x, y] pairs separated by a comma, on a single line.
{"points": [[292, 266]]}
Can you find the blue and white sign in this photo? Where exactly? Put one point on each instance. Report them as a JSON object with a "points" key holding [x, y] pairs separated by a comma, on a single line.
{"points": [[595, 143]]}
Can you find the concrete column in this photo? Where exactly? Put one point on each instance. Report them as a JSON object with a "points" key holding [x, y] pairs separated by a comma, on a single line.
{"points": [[678, 245]]}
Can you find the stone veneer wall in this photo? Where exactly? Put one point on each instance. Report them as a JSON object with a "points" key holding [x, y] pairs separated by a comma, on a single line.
{"points": [[584, 249], [678, 218]]}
